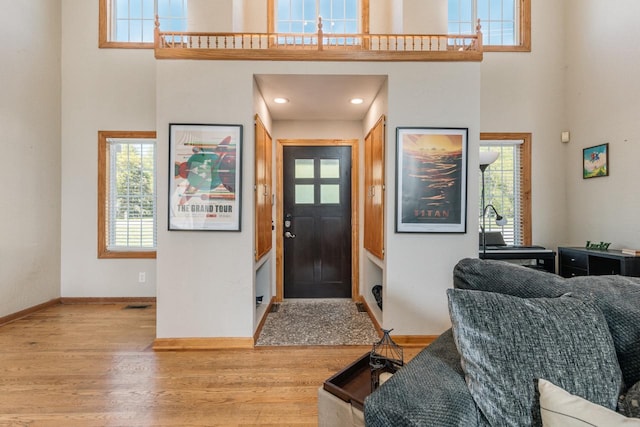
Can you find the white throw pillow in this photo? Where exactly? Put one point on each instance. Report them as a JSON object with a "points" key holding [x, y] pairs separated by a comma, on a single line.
{"points": [[560, 408]]}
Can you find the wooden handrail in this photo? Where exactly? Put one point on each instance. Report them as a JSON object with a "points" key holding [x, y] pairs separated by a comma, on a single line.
{"points": [[317, 46]]}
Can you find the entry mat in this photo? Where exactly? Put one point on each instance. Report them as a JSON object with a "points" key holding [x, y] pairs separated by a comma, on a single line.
{"points": [[300, 322]]}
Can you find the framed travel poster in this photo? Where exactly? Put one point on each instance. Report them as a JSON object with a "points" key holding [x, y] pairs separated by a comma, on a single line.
{"points": [[595, 161], [204, 177], [431, 180]]}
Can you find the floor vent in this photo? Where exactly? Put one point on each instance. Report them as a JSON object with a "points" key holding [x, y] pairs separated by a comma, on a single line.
{"points": [[361, 308], [137, 306], [274, 308]]}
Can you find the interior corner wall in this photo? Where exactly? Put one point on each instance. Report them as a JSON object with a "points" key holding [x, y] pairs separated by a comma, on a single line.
{"points": [[102, 89], [603, 100], [206, 278], [261, 109], [419, 266], [30, 140]]}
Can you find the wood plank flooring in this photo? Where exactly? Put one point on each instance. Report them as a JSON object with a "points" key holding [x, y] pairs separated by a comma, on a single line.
{"points": [[92, 365]]}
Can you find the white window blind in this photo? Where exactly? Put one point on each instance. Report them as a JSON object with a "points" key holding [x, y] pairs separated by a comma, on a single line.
{"points": [[131, 202], [503, 180]]}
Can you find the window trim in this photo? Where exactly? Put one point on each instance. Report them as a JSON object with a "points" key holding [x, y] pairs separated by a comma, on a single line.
{"points": [[103, 174], [103, 31], [525, 175], [525, 32], [524, 36], [364, 18]]}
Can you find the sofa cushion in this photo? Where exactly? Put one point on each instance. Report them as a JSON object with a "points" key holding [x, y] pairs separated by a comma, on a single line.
{"points": [[618, 297], [562, 409], [428, 391], [507, 342]]}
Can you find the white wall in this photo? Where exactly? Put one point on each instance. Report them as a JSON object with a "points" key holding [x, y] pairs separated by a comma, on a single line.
{"points": [[523, 92], [380, 16], [102, 89], [254, 16], [206, 279], [217, 301], [603, 100], [408, 16], [425, 17], [419, 266], [211, 16], [30, 153]]}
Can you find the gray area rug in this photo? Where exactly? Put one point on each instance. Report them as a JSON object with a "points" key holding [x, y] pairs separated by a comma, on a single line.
{"points": [[317, 322]]}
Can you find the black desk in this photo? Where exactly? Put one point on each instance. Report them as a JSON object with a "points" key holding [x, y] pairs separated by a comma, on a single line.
{"points": [[545, 258]]}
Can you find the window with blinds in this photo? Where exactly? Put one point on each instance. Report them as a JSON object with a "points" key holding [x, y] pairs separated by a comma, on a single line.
{"points": [[127, 195], [503, 189]]}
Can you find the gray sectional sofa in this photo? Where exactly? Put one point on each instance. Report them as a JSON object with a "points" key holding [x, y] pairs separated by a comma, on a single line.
{"points": [[513, 325]]}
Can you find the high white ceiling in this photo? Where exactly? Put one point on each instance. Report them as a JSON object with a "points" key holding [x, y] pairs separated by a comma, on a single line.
{"points": [[318, 97]]}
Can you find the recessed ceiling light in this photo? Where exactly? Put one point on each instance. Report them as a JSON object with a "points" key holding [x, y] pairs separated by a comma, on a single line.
{"points": [[356, 101], [280, 100]]}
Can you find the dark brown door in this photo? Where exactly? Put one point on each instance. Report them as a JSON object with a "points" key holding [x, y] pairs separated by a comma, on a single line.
{"points": [[317, 222]]}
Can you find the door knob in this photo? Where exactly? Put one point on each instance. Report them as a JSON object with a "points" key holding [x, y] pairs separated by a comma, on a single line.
{"points": [[289, 235]]}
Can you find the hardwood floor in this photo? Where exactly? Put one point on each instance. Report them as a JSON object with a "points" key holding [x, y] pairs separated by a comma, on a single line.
{"points": [[92, 365]]}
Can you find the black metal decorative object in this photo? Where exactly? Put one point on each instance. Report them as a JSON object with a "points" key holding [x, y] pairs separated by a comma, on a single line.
{"points": [[386, 356]]}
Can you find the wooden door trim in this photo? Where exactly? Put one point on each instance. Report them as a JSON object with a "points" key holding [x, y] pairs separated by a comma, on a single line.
{"points": [[355, 209]]}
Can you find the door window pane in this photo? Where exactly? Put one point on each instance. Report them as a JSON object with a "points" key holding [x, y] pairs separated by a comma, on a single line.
{"points": [[330, 168], [304, 194], [304, 168], [330, 193]]}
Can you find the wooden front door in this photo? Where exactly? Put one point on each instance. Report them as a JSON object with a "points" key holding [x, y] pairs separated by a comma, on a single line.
{"points": [[317, 221]]}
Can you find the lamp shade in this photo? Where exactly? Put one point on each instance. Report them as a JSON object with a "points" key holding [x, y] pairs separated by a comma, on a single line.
{"points": [[488, 157]]}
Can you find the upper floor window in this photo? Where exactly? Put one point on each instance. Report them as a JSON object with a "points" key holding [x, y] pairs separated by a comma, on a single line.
{"points": [[126, 194], [505, 24], [301, 16], [508, 186], [130, 23]]}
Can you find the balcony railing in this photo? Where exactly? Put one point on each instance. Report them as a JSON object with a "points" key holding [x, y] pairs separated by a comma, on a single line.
{"points": [[317, 46]]}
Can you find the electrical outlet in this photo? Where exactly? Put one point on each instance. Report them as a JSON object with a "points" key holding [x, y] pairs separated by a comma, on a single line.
{"points": [[142, 277]]}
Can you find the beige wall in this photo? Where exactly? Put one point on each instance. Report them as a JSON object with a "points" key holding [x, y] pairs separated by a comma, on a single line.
{"points": [[524, 92], [424, 17], [30, 154], [408, 16], [603, 100], [102, 89], [211, 16]]}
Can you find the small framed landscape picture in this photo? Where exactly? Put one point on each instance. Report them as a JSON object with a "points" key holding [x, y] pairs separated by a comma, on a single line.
{"points": [[595, 161]]}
